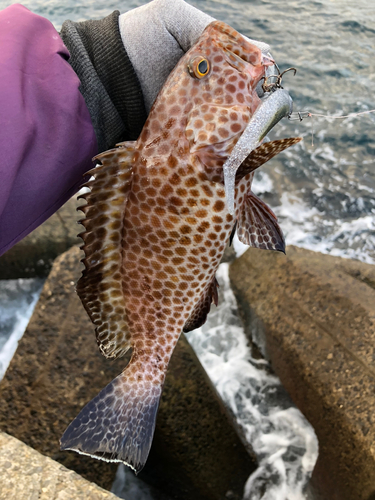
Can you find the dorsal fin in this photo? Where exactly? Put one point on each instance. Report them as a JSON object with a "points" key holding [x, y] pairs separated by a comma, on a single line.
{"points": [[262, 154], [257, 225], [100, 287], [201, 309]]}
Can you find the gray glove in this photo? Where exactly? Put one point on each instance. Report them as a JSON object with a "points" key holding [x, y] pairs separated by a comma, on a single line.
{"points": [[158, 34]]}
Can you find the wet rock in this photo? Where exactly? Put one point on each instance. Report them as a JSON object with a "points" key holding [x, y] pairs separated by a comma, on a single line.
{"points": [[34, 255], [313, 317], [58, 368], [25, 473]]}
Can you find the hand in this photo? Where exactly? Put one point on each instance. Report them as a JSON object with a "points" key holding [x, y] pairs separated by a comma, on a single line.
{"points": [[158, 34]]}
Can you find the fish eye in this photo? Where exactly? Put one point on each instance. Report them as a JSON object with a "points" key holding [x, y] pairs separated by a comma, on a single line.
{"points": [[202, 67], [199, 67]]}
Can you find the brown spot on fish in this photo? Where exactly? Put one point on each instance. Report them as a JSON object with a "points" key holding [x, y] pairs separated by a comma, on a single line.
{"points": [[177, 261], [207, 190], [166, 190], [201, 213], [194, 192], [168, 224], [176, 201], [156, 182], [223, 133], [160, 211], [185, 229], [182, 250], [157, 285], [192, 202], [155, 265], [217, 220], [161, 201], [218, 206], [145, 207], [236, 127], [181, 192], [203, 226]]}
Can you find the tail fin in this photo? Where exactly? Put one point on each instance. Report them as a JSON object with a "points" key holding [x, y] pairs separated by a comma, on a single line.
{"points": [[118, 424]]}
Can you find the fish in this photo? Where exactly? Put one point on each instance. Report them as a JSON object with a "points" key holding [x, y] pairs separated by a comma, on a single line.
{"points": [[156, 226]]}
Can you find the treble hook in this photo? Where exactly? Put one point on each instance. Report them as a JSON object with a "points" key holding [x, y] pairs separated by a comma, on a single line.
{"points": [[270, 87], [286, 71]]}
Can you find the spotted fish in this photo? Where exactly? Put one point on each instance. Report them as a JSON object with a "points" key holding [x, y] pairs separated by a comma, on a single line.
{"points": [[156, 226]]}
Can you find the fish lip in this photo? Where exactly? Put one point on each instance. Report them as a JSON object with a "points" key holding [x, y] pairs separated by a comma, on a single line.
{"points": [[274, 106]]}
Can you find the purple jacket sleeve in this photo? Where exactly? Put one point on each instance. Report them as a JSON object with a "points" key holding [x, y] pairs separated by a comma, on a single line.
{"points": [[46, 136]]}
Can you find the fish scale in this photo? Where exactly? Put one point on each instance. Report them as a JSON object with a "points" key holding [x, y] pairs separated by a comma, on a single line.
{"points": [[156, 227]]}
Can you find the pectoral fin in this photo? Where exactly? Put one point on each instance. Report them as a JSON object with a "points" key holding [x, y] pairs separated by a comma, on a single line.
{"points": [[262, 154], [257, 225], [202, 308]]}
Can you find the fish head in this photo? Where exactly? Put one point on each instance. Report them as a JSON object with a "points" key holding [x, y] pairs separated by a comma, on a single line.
{"points": [[225, 69], [208, 98]]}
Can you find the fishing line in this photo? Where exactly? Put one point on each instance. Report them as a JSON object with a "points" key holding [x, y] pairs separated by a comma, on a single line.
{"points": [[271, 87], [307, 114]]}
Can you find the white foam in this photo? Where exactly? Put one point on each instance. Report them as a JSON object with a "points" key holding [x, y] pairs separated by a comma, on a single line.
{"points": [[303, 225], [262, 182]]}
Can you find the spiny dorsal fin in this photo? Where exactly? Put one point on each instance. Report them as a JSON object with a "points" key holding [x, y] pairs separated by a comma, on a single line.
{"points": [[262, 154], [202, 307], [100, 287], [257, 225]]}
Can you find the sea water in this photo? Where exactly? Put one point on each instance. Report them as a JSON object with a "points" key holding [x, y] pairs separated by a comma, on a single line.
{"points": [[322, 191], [17, 302]]}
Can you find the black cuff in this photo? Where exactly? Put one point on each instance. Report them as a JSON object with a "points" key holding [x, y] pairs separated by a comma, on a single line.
{"points": [[109, 83]]}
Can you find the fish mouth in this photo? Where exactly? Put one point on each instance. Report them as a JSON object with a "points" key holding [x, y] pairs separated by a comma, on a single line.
{"points": [[272, 109]]}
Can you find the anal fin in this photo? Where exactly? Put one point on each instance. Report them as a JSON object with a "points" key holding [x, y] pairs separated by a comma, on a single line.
{"points": [[257, 225], [202, 307]]}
